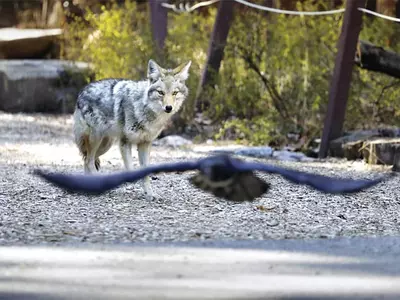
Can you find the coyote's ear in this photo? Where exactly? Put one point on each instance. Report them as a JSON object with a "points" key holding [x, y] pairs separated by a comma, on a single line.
{"points": [[153, 71], [182, 72]]}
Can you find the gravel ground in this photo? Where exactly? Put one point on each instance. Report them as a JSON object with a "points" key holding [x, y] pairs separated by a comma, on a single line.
{"points": [[33, 212]]}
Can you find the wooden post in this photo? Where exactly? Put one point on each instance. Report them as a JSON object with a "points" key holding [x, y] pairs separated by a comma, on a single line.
{"points": [[387, 7], [8, 14], [216, 47], [340, 82], [397, 14], [159, 21], [45, 8]]}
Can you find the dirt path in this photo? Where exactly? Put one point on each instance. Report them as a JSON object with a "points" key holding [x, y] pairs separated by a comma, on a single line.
{"points": [[33, 212]]}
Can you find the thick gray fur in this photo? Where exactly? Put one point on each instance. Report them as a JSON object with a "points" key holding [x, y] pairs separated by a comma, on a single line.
{"points": [[127, 111]]}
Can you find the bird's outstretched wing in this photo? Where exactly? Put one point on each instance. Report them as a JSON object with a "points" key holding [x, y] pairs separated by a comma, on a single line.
{"points": [[223, 176], [321, 183], [97, 184]]}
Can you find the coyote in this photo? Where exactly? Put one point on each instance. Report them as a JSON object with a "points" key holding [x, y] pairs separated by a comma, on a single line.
{"points": [[132, 112]]}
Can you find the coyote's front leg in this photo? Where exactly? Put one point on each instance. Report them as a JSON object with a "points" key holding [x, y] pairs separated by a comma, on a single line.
{"points": [[144, 153]]}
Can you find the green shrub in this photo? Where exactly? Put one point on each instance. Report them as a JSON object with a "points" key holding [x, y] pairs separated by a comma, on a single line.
{"points": [[117, 42]]}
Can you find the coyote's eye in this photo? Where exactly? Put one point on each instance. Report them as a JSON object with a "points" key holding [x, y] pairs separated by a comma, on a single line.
{"points": [[160, 93], [175, 93]]}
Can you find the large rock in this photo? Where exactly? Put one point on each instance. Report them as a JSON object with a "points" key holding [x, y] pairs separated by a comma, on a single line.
{"points": [[381, 151], [350, 145], [18, 43], [41, 85], [376, 146]]}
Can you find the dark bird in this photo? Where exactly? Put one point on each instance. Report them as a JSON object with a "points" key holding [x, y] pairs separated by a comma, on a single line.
{"points": [[224, 176]]}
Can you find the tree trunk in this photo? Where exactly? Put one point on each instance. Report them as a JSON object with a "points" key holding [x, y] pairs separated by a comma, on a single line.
{"points": [[159, 21], [216, 48], [8, 14], [398, 9], [386, 7]]}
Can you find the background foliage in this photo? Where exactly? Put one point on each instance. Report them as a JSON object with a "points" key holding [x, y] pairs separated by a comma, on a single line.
{"points": [[275, 75]]}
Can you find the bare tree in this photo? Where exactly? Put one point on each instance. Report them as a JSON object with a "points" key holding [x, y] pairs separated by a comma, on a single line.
{"points": [[159, 23], [216, 48]]}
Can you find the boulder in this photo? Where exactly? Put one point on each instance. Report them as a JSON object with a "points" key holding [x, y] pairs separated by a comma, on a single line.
{"points": [[49, 86], [350, 145], [381, 151], [337, 147], [18, 43], [352, 150], [396, 162]]}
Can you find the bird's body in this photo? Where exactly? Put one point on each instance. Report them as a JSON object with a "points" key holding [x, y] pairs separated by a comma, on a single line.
{"points": [[224, 176]]}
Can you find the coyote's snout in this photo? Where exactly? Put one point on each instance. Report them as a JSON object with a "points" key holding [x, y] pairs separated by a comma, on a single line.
{"points": [[168, 108]]}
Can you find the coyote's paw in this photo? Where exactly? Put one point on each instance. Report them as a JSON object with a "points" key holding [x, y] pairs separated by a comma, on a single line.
{"points": [[149, 194]]}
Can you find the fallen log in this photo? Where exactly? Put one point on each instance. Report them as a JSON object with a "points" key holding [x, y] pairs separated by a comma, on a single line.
{"points": [[376, 58]]}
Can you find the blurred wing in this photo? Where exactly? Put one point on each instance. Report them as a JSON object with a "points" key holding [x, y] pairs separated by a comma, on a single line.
{"points": [[97, 184], [322, 183]]}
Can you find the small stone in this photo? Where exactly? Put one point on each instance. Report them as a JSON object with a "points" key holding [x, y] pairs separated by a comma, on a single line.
{"points": [[172, 141], [272, 223]]}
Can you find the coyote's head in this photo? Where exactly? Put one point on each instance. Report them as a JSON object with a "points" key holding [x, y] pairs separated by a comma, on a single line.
{"points": [[167, 89]]}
